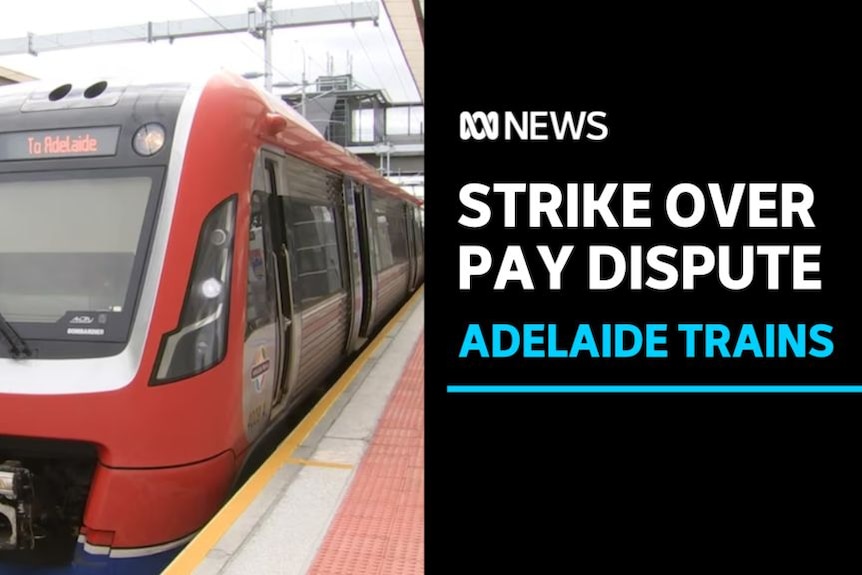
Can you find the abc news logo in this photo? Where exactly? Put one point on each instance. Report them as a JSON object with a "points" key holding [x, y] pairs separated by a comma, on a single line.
{"points": [[533, 126]]}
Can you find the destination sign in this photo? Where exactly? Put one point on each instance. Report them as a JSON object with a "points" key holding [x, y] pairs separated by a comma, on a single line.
{"points": [[79, 142]]}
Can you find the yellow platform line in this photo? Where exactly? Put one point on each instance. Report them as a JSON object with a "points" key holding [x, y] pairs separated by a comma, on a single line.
{"points": [[315, 463], [197, 549]]}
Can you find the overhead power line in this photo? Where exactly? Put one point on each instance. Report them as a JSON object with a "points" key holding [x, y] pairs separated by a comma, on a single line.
{"points": [[258, 24]]}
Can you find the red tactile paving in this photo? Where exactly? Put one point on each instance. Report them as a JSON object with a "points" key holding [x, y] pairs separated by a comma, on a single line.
{"points": [[379, 528]]}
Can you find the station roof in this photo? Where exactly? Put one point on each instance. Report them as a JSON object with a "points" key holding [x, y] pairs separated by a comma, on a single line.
{"points": [[408, 19], [8, 76]]}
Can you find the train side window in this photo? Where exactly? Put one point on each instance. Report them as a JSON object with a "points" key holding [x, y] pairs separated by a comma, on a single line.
{"points": [[398, 234], [420, 239], [390, 231], [260, 302], [384, 243], [313, 229]]}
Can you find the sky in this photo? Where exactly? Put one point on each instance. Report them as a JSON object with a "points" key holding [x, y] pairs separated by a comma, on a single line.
{"points": [[377, 61]]}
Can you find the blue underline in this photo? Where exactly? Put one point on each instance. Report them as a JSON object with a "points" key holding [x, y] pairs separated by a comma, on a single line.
{"points": [[654, 389]]}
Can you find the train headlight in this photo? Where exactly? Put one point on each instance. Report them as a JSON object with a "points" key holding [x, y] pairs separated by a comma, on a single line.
{"points": [[218, 237], [211, 288], [149, 139], [200, 340]]}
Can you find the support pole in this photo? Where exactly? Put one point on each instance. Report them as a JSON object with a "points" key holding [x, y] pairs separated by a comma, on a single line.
{"points": [[303, 84], [266, 7]]}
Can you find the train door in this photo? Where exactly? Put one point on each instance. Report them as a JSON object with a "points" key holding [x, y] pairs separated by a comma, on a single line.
{"points": [[419, 245], [264, 345], [354, 265], [368, 251], [411, 248], [280, 258]]}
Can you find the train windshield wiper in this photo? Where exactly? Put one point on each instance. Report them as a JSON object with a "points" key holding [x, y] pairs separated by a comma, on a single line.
{"points": [[17, 345]]}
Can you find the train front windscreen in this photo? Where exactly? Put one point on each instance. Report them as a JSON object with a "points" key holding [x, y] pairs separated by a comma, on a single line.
{"points": [[72, 248]]}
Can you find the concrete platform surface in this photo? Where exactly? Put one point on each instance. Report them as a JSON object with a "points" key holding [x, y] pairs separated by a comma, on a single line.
{"points": [[344, 493]]}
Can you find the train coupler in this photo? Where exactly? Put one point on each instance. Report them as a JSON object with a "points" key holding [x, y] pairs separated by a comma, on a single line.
{"points": [[16, 507]]}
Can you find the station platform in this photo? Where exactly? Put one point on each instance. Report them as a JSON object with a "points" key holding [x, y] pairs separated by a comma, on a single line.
{"points": [[344, 492]]}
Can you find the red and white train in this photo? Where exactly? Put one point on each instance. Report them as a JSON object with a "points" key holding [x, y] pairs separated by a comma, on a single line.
{"points": [[179, 265]]}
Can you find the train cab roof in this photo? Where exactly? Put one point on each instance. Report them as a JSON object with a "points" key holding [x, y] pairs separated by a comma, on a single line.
{"points": [[89, 102]]}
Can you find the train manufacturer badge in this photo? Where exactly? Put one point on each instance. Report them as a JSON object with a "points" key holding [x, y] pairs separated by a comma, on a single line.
{"points": [[259, 367]]}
